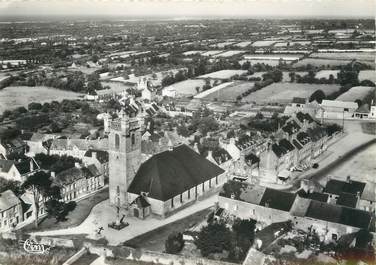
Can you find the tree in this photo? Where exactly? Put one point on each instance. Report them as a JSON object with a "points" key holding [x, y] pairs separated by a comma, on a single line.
{"points": [[292, 77], [214, 238], [39, 183], [367, 83], [359, 102], [244, 234], [174, 243], [34, 106], [318, 95], [59, 209]]}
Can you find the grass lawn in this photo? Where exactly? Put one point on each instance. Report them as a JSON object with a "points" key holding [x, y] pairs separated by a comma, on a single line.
{"points": [[76, 217], [86, 259], [155, 239]]}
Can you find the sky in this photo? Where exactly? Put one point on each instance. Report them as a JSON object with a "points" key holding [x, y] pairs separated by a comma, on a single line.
{"points": [[190, 8]]}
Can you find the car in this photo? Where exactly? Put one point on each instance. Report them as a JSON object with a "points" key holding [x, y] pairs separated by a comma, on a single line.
{"points": [[315, 165]]}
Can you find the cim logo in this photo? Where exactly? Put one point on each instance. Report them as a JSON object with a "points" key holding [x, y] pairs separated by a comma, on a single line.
{"points": [[33, 247]]}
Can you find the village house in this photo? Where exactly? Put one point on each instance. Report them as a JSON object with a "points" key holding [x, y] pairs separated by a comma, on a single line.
{"points": [[244, 146], [39, 143], [301, 105], [78, 181], [99, 158], [11, 147], [174, 178], [18, 170], [76, 147], [333, 109], [351, 193], [10, 210], [220, 157], [269, 206]]}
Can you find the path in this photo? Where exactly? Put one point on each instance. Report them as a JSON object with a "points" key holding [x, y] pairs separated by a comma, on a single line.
{"points": [[103, 214]]}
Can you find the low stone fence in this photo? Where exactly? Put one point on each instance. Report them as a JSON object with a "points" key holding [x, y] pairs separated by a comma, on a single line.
{"points": [[127, 253]]}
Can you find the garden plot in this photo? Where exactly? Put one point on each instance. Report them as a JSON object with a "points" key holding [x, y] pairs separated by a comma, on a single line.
{"points": [[229, 53], [263, 43], [223, 74], [326, 74], [226, 92], [359, 56], [367, 75], [284, 92], [357, 92]]}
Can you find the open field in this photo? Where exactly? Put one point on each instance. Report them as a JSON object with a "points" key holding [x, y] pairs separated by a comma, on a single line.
{"points": [[189, 53], [326, 74], [285, 57], [243, 44], [18, 96], [285, 92], [229, 53], [222, 44], [263, 43], [211, 53], [359, 56], [321, 62], [223, 74], [367, 74], [357, 92], [188, 87], [228, 91], [115, 87]]}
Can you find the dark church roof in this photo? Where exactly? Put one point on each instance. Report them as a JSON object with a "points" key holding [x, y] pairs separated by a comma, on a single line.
{"points": [[171, 173], [277, 199]]}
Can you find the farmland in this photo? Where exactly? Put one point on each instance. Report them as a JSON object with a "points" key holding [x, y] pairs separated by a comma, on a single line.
{"points": [[229, 53], [189, 53], [357, 92], [285, 92], [227, 91], [211, 53], [367, 74], [243, 44], [359, 56], [18, 96], [188, 87], [263, 43], [223, 74], [326, 74], [321, 62], [285, 57]]}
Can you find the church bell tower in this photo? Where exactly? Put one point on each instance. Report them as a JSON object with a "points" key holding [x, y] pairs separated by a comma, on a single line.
{"points": [[124, 156]]}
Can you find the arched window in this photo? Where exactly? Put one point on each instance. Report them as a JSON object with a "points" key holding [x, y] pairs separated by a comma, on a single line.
{"points": [[117, 141], [133, 139]]}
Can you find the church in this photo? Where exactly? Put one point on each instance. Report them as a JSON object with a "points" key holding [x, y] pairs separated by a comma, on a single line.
{"points": [[161, 185]]}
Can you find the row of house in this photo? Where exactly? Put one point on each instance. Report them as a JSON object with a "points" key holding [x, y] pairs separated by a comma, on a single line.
{"points": [[330, 221]]}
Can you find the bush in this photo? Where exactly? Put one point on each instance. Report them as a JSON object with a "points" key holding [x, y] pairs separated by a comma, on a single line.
{"points": [[174, 243]]}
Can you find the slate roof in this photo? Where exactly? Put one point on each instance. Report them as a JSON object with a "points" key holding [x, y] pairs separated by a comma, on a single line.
{"points": [[5, 165], [24, 166], [291, 127], [338, 214], [298, 100], [347, 199], [277, 199], [316, 196], [73, 174], [171, 173], [8, 199], [141, 202], [303, 138], [102, 156], [282, 148], [337, 187], [304, 116], [316, 133]]}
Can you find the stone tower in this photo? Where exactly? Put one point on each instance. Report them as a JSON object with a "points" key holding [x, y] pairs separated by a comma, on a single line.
{"points": [[124, 156]]}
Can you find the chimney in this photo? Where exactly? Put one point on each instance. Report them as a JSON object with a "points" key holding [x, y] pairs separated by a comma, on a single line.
{"points": [[31, 165], [233, 196], [77, 165], [53, 174], [195, 147], [348, 179]]}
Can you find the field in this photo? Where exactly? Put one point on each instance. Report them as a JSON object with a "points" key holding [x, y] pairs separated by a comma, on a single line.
{"points": [[227, 92], [223, 74], [116, 87], [326, 74], [17, 96], [211, 53], [229, 53], [286, 57], [222, 44], [367, 74], [263, 43], [243, 44], [266, 62], [357, 92], [320, 62], [188, 87], [285, 92], [359, 56], [188, 53]]}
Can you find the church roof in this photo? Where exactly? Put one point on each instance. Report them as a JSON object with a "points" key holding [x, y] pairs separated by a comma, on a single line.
{"points": [[171, 173]]}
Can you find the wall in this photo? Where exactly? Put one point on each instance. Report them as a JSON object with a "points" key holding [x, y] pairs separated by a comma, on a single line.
{"points": [[245, 210]]}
